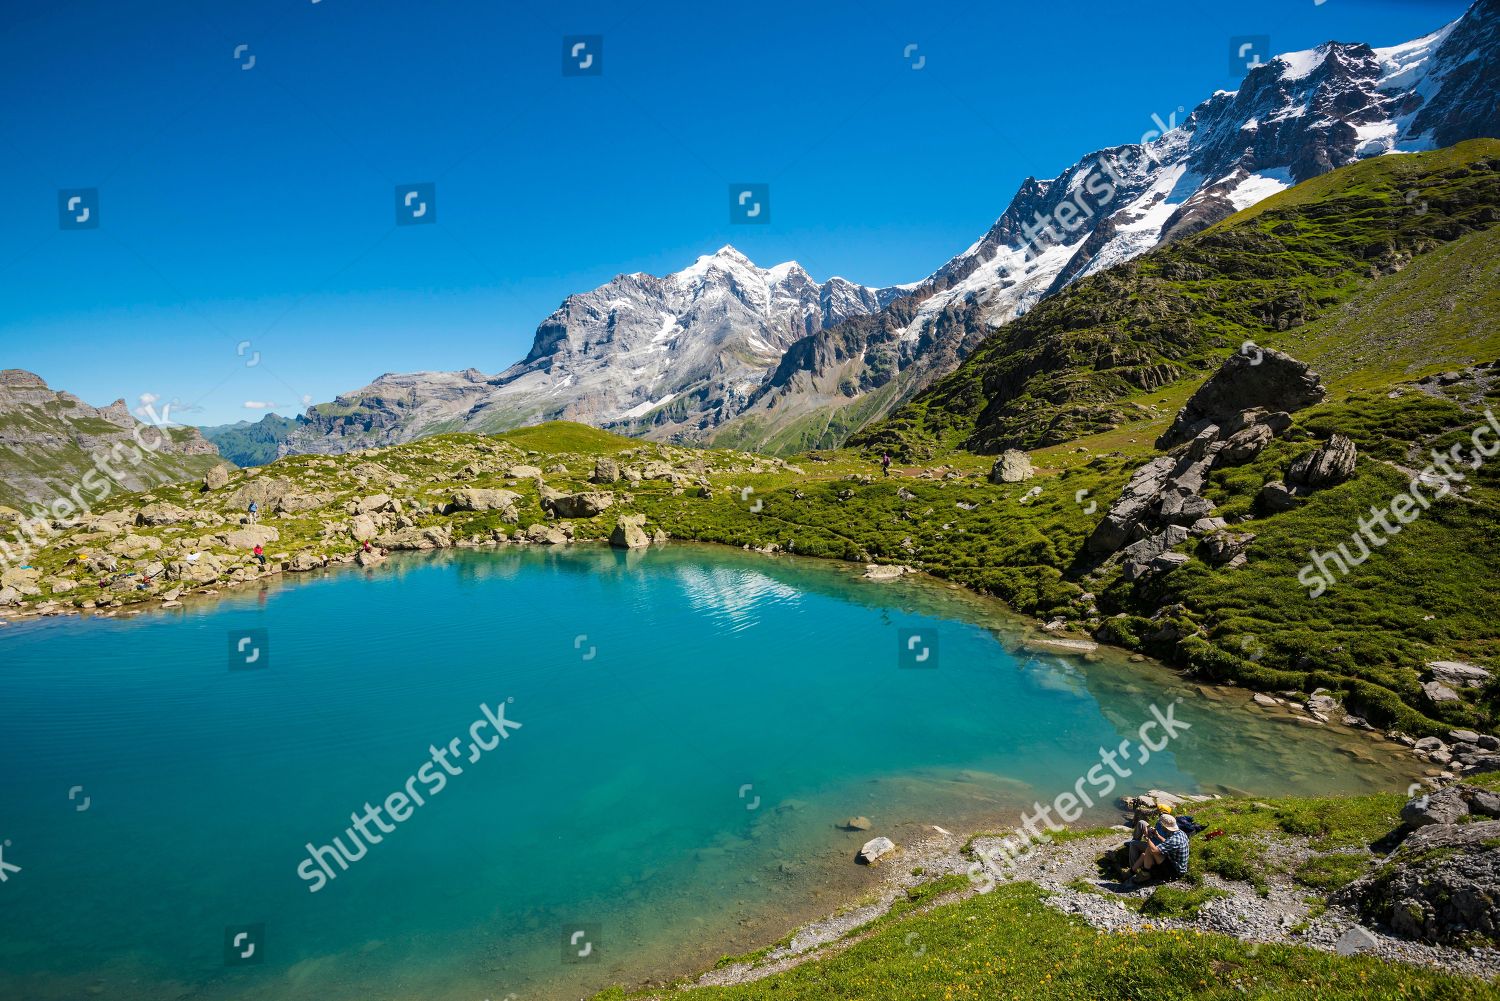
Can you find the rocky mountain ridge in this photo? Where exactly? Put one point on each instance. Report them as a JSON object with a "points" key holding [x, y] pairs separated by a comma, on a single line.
{"points": [[49, 440], [665, 357], [1295, 117]]}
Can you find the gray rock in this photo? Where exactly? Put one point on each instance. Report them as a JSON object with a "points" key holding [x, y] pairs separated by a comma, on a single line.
{"points": [[1464, 736], [303, 562], [630, 532], [250, 536], [1013, 466], [1148, 549], [216, 478], [589, 504], [1327, 465], [417, 538], [856, 824], [1167, 562], [474, 499], [1276, 497], [1355, 941], [162, 514], [606, 471], [1439, 692], [9, 596], [874, 850], [374, 502], [1445, 806], [1441, 885], [1225, 546], [1264, 379], [546, 535], [1458, 674], [1244, 445]]}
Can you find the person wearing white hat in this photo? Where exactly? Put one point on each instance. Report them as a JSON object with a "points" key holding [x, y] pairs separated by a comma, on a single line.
{"points": [[1166, 852]]}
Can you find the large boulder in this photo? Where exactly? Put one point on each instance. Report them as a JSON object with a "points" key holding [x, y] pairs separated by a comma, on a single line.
{"points": [[1441, 885], [588, 504], [606, 471], [216, 478], [1330, 464], [415, 537], [1438, 693], [250, 536], [162, 513], [630, 532], [304, 561], [1013, 466], [474, 499], [201, 568], [374, 503], [1252, 378], [546, 535], [133, 546], [1446, 806]]}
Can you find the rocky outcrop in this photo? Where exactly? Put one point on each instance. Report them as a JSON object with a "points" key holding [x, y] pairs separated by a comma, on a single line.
{"points": [[473, 499], [1327, 465], [587, 504], [417, 538], [1441, 885], [1163, 504], [1013, 466], [1251, 379], [1458, 674], [49, 440]]}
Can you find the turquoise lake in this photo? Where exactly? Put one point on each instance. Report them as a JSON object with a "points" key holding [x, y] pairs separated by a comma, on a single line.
{"points": [[695, 721]]}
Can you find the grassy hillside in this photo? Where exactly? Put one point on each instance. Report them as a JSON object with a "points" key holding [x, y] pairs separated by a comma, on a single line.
{"points": [[251, 444], [1070, 367]]}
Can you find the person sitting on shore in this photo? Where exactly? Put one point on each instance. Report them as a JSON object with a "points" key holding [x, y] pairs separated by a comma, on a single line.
{"points": [[1167, 856], [1143, 829], [260, 554]]}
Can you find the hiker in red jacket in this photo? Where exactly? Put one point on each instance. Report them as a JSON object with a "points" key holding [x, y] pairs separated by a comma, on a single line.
{"points": [[260, 554]]}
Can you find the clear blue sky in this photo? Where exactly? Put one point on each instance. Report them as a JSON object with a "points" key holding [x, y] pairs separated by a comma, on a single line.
{"points": [[258, 204]]}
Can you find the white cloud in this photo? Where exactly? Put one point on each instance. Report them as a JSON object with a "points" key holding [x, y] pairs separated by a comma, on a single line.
{"points": [[259, 405]]}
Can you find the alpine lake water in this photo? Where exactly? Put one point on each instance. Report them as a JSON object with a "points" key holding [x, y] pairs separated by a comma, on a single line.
{"points": [[695, 724]]}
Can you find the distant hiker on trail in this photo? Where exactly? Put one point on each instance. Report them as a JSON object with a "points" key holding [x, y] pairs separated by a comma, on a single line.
{"points": [[254, 512], [260, 554], [885, 462]]}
